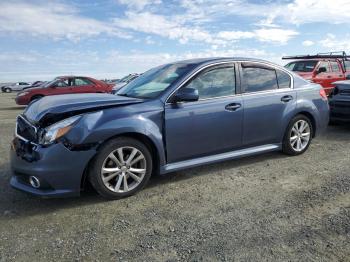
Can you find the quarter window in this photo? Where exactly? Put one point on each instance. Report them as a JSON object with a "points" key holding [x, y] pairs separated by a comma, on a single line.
{"points": [[283, 79], [256, 79], [215, 82]]}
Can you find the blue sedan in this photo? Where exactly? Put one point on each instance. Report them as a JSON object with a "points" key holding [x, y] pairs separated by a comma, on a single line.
{"points": [[174, 116]]}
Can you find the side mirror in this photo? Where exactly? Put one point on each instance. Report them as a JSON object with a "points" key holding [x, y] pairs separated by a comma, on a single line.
{"points": [[347, 77], [321, 70], [186, 94]]}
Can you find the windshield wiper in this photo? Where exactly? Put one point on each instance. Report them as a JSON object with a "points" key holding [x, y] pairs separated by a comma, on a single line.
{"points": [[126, 95]]}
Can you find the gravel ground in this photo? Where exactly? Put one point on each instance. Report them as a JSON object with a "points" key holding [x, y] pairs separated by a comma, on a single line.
{"points": [[265, 208]]}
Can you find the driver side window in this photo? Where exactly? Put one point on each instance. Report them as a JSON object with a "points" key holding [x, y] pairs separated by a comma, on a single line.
{"points": [[215, 82], [62, 83], [325, 65]]}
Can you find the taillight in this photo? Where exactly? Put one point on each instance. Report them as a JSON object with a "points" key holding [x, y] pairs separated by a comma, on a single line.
{"points": [[323, 94]]}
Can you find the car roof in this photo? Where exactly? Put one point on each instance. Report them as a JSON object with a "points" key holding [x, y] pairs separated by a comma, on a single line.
{"points": [[314, 59], [200, 61], [68, 76]]}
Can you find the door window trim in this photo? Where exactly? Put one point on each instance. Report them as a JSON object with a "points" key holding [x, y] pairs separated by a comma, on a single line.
{"points": [[266, 65], [202, 70], [238, 76]]}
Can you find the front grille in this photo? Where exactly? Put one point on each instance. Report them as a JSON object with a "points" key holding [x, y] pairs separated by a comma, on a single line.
{"points": [[26, 130], [345, 92]]}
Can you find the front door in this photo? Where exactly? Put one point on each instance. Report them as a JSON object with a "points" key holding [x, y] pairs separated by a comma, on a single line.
{"points": [[324, 78], [211, 125]]}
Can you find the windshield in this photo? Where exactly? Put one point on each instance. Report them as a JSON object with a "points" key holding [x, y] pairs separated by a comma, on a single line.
{"points": [[302, 66], [155, 81]]}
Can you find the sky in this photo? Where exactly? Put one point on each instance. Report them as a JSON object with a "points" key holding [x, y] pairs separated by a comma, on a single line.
{"points": [[40, 40]]}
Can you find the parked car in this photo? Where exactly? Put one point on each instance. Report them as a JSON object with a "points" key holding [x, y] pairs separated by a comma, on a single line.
{"points": [[172, 117], [323, 69], [18, 86], [122, 82], [63, 85], [339, 102], [35, 84]]}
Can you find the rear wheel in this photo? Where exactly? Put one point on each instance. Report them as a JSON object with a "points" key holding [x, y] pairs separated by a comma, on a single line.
{"points": [[122, 167], [8, 90], [298, 136]]}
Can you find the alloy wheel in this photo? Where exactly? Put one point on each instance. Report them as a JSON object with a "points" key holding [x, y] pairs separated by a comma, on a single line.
{"points": [[300, 135], [123, 169]]}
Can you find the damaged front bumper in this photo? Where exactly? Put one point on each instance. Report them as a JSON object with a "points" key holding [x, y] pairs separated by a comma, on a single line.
{"points": [[59, 170]]}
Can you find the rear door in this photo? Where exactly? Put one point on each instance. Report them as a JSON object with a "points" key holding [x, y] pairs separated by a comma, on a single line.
{"points": [[211, 125], [83, 85], [267, 99]]}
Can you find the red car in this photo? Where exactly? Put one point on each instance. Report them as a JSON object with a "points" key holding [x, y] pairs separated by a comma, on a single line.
{"points": [[323, 69], [63, 85]]}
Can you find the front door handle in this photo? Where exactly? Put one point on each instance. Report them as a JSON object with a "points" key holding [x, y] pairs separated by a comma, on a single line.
{"points": [[286, 98], [233, 106]]}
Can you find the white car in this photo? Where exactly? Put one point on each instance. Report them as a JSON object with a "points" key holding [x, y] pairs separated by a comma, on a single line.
{"points": [[19, 86], [122, 82]]}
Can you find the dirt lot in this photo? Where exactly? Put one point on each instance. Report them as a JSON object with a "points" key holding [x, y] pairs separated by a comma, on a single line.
{"points": [[269, 207]]}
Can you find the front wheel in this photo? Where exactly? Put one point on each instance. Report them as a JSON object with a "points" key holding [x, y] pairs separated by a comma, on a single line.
{"points": [[8, 90], [298, 136], [122, 167]]}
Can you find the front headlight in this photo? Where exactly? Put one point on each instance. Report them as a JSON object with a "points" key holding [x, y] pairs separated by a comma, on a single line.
{"points": [[23, 93], [58, 130]]}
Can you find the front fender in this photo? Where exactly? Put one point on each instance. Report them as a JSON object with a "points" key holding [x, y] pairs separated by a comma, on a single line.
{"points": [[96, 128]]}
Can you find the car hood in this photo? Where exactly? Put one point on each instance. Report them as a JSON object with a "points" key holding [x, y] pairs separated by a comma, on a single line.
{"points": [[30, 88], [51, 109]]}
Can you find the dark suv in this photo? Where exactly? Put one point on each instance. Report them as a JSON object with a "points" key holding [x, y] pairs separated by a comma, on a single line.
{"points": [[172, 117]]}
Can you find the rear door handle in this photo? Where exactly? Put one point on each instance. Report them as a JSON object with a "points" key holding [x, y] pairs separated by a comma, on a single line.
{"points": [[233, 106], [286, 98]]}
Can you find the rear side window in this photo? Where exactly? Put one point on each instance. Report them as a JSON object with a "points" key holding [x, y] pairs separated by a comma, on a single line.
{"points": [[215, 82], [283, 79], [82, 82], [335, 67], [256, 79]]}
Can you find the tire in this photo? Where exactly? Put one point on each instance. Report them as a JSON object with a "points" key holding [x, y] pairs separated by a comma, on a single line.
{"points": [[291, 145], [118, 172], [7, 90], [36, 97]]}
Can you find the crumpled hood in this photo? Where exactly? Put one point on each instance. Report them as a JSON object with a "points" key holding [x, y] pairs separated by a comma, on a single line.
{"points": [[61, 106]]}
